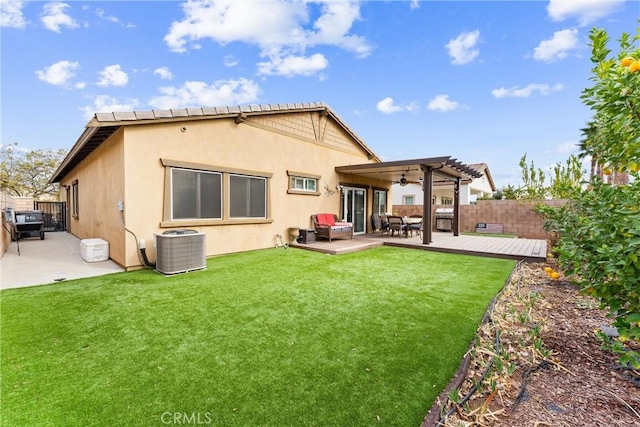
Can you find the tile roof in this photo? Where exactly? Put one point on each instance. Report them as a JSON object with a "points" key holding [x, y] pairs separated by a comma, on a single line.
{"points": [[103, 125], [100, 119]]}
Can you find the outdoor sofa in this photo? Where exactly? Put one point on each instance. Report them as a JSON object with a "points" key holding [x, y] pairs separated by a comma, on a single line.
{"points": [[328, 227]]}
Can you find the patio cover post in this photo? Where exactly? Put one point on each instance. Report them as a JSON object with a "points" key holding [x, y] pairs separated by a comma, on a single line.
{"points": [[427, 187], [456, 207]]}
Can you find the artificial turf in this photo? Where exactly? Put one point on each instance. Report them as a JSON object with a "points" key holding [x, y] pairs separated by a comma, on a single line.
{"points": [[272, 338]]}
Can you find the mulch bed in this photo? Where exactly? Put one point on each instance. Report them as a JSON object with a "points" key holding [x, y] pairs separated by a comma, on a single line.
{"points": [[549, 368]]}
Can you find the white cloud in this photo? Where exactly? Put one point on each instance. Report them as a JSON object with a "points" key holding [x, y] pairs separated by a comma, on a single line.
{"points": [[59, 73], [557, 47], [293, 65], [230, 61], [164, 73], [415, 4], [387, 106], [113, 75], [585, 11], [101, 14], [527, 91], [54, 16], [442, 103], [280, 28], [111, 18], [333, 27], [198, 94], [463, 49], [11, 14], [108, 104]]}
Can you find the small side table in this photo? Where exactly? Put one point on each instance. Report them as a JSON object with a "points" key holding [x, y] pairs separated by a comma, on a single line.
{"points": [[307, 236]]}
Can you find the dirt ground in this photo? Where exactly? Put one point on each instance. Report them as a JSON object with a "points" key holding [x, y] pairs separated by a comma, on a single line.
{"points": [[548, 369]]}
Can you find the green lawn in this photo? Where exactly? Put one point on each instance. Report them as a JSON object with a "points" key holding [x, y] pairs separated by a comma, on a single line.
{"points": [[272, 338]]}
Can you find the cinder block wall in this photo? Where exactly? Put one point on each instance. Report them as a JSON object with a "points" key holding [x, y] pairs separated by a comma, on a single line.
{"points": [[517, 216], [18, 204]]}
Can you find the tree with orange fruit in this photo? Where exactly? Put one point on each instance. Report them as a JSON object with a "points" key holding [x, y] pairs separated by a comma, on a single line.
{"points": [[599, 243]]}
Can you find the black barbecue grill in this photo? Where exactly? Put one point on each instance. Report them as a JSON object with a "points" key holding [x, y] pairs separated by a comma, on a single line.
{"points": [[29, 224]]}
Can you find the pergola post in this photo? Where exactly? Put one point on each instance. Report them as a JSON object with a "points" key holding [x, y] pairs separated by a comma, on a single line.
{"points": [[427, 220], [456, 207]]}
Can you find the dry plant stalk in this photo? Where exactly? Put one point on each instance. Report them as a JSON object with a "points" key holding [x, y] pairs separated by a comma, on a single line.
{"points": [[516, 320]]}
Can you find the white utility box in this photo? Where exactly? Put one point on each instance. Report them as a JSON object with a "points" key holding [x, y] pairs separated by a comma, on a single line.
{"points": [[94, 250]]}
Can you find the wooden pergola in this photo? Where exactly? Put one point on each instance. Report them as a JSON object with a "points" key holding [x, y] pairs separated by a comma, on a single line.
{"points": [[427, 171]]}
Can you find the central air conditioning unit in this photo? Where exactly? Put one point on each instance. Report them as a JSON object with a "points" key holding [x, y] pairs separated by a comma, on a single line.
{"points": [[179, 251]]}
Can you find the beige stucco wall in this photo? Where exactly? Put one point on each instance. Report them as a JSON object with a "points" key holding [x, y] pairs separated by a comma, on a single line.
{"points": [[128, 167], [100, 185]]}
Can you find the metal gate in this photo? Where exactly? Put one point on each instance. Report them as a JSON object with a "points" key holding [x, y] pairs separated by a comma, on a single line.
{"points": [[55, 215]]}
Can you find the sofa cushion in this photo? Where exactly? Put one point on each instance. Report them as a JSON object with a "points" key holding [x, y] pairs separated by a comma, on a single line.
{"points": [[326, 219], [342, 226]]}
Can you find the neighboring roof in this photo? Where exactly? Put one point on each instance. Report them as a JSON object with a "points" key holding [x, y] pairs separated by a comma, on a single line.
{"points": [[103, 125], [444, 167], [483, 168]]}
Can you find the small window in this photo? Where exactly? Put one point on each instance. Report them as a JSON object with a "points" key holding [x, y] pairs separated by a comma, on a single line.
{"points": [[303, 183], [447, 201], [75, 202], [408, 200]]}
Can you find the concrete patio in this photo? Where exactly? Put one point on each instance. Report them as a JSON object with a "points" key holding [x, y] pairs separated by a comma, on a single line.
{"points": [[54, 259]]}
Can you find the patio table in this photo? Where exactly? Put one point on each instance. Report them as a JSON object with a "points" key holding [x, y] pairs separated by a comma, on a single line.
{"points": [[410, 221]]}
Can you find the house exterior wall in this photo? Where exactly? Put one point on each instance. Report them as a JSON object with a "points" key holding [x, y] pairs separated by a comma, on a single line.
{"points": [[100, 180], [480, 186], [415, 191], [306, 142], [476, 188]]}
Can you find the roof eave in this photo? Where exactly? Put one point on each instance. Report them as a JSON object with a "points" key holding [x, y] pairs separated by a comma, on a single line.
{"points": [[80, 143]]}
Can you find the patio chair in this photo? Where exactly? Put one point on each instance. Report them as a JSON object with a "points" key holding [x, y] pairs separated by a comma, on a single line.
{"points": [[385, 223], [380, 223], [397, 224], [416, 227], [328, 227]]}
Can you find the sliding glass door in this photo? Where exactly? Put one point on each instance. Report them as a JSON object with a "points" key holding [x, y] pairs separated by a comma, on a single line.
{"points": [[354, 202]]}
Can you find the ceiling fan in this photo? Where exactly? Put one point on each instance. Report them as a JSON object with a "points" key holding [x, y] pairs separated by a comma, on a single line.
{"points": [[404, 181]]}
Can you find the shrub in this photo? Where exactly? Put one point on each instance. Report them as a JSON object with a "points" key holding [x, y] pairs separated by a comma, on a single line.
{"points": [[599, 230]]}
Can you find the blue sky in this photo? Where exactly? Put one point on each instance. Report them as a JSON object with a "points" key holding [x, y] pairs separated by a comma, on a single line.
{"points": [[480, 81]]}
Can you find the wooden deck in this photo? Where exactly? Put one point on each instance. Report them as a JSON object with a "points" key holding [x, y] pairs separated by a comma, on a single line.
{"points": [[530, 250]]}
